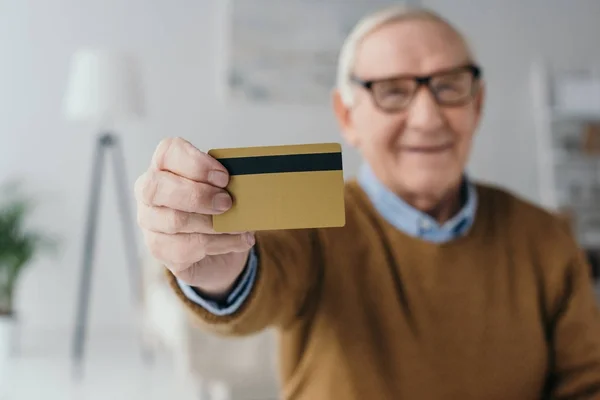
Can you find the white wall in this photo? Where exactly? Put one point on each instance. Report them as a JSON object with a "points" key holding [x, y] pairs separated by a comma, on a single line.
{"points": [[179, 43]]}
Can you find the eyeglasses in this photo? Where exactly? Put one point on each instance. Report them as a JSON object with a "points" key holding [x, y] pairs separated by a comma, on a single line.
{"points": [[450, 88]]}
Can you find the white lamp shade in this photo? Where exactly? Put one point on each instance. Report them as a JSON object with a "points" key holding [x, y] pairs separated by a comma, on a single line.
{"points": [[103, 87]]}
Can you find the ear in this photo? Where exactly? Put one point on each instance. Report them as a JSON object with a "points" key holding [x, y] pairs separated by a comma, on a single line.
{"points": [[343, 115], [479, 102]]}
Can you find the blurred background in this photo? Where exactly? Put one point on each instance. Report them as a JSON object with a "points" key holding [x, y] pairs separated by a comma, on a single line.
{"points": [[220, 74]]}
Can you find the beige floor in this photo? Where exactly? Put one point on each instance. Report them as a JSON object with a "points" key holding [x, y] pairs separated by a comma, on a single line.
{"points": [[114, 370], [50, 379]]}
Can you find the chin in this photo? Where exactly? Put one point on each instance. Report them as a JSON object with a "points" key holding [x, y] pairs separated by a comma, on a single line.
{"points": [[428, 183]]}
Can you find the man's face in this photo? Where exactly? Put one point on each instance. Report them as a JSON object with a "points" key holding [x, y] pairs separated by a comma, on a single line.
{"points": [[420, 150]]}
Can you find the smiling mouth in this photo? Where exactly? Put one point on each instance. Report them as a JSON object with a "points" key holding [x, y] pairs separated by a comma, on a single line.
{"points": [[427, 149]]}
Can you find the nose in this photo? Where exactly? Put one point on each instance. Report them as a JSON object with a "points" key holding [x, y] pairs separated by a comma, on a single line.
{"points": [[424, 113]]}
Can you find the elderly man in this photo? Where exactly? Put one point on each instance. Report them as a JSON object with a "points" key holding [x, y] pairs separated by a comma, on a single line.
{"points": [[437, 287]]}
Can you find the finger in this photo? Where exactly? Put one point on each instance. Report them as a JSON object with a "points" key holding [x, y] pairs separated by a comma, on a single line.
{"points": [[165, 189], [184, 249], [182, 158], [171, 221], [229, 243]]}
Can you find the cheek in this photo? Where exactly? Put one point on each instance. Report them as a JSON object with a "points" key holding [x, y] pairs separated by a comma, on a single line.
{"points": [[462, 124], [380, 131]]}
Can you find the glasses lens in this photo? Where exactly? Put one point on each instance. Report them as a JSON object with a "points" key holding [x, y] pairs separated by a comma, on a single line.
{"points": [[453, 88], [393, 94]]}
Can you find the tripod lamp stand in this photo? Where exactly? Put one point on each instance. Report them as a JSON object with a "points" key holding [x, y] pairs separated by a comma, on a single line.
{"points": [[103, 89]]}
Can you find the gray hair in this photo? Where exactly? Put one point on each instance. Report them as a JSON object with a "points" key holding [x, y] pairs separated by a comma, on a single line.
{"points": [[364, 27]]}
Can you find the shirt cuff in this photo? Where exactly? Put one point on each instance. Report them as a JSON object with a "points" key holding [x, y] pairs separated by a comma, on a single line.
{"points": [[235, 299]]}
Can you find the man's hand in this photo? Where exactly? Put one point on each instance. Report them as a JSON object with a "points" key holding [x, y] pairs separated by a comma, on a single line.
{"points": [[176, 197]]}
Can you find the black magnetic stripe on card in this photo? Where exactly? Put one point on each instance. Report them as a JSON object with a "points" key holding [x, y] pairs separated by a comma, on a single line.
{"points": [[282, 163]]}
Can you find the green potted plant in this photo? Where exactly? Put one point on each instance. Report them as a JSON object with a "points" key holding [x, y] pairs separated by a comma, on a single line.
{"points": [[19, 244]]}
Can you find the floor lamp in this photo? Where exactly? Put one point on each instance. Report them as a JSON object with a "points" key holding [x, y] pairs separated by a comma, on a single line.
{"points": [[102, 90]]}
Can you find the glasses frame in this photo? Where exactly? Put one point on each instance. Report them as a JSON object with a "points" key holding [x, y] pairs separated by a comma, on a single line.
{"points": [[423, 80]]}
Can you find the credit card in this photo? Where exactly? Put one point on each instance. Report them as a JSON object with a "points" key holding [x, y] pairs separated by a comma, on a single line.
{"points": [[282, 187]]}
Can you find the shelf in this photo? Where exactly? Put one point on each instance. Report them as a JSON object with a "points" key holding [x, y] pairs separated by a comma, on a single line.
{"points": [[581, 208], [581, 160], [566, 115], [559, 129], [588, 243]]}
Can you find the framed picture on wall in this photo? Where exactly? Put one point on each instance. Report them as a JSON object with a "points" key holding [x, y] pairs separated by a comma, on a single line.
{"points": [[286, 51]]}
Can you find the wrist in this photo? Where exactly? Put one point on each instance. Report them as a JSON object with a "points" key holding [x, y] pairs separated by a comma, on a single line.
{"points": [[218, 296], [220, 293]]}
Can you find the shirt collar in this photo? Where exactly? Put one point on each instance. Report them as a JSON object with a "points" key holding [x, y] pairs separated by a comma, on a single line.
{"points": [[412, 221]]}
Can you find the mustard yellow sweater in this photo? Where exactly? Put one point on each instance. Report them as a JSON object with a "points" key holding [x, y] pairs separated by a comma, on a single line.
{"points": [[366, 312]]}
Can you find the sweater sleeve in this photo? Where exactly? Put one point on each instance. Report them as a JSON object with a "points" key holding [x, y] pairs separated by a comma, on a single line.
{"points": [[576, 335], [287, 278]]}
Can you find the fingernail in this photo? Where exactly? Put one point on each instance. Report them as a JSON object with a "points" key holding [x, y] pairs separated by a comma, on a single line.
{"points": [[218, 178], [250, 238], [221, 202]]}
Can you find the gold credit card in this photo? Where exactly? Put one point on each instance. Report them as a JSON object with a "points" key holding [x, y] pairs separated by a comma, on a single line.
{"points": [[282, 187]]}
